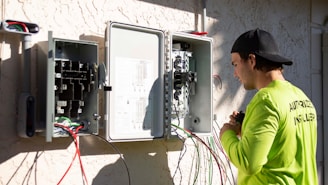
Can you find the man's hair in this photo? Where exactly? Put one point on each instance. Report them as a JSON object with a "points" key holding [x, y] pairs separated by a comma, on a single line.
{"points": [[262, 64]]}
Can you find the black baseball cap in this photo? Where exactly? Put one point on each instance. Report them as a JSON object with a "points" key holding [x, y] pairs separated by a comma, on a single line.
{"points": [[260, 43]]}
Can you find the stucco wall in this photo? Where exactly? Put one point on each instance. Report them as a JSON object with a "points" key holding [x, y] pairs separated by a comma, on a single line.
{"points": [[34, 161]]}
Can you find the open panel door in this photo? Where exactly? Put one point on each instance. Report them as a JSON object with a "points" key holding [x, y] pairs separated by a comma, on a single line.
{"points": [[134, 105]]}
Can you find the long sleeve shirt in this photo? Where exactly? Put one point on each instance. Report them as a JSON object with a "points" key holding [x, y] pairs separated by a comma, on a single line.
{"points": [[278, 138]]}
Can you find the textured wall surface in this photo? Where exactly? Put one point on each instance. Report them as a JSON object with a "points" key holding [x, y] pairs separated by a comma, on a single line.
{"points": [[34, 161]]}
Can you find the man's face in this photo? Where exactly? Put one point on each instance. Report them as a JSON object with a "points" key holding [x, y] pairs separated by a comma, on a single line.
{"points": [[243, 71]]}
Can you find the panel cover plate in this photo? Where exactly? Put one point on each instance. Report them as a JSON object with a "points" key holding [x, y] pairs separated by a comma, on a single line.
{"points": [[134, 106]]}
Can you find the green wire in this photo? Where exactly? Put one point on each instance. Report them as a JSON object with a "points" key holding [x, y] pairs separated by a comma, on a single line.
{"points": [[198, 154], [197, 165], [210, 176], [75, 124], [19, 28], [64, 118], [69, 121]]}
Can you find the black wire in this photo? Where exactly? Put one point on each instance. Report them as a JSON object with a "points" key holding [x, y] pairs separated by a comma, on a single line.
{"points": [[177, 113], [36, 167], [118, 152], [180, 157], [229, 163], [197, 170], [183, 149], [29, 172], [197, 148], [211, 151], [182, 153], [20, 165]]}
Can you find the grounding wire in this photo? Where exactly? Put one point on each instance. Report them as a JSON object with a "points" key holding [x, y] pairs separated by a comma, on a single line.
{"points": [[119, 153]]}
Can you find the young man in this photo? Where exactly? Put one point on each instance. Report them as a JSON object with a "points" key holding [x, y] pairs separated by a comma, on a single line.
{"points": [[276, 142]]}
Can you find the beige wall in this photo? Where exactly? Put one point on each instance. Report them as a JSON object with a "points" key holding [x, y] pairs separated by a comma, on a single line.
{"points": [[153, 162]]}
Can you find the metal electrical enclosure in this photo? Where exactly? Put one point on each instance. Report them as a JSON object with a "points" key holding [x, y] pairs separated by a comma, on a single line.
{"points": [[68, 90], [156, 79], [190, 77]]}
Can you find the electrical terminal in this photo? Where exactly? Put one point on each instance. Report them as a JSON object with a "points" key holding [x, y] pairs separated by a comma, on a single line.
{"points": [[62, 121], [66, 122]]}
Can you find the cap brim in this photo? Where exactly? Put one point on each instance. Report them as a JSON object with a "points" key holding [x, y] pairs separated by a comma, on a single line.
{"points": [[275, 58]]}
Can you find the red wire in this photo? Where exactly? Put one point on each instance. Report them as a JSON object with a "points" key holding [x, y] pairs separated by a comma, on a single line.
{"points": [[19, 23], [74, 137], [219, 145], [79, 155], [77, 152], [69, 167], [199, 33], [211, 151]]}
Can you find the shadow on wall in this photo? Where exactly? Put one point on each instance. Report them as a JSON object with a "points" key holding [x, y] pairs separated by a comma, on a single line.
{"points": [[226, 87], [137, 161], [142, 158], [10, 89], [224, 30]]}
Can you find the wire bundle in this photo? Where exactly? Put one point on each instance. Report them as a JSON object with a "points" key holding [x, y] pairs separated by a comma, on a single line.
{"points": [[17, 26], [211, 149], [73, 130], [30, 170]]}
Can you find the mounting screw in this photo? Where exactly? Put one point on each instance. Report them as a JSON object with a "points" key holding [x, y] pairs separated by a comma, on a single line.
{"points": [[96, 116]]}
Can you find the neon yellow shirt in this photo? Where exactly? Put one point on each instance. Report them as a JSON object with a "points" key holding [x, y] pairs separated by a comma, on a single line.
{"points": [[278, 138]]}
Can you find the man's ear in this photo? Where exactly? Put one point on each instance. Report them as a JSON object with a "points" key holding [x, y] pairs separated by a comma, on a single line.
{"points": [[252, 59]]}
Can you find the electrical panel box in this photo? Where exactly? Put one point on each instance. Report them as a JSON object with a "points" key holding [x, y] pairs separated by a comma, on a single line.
{"points": [[190, 83], [157, 79], [68, 87]]}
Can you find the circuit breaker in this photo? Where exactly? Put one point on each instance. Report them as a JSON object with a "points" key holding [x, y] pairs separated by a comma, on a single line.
{"points": [[157, 79], [68, 90]]}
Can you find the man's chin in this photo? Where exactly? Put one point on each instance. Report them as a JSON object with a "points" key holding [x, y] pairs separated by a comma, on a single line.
{"points": [[248, 87]]}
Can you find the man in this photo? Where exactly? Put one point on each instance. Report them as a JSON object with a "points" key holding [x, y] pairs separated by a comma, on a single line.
{"points": [[276, 142]]}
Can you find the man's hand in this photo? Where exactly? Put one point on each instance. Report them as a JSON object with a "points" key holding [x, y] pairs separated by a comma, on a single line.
{"points": [[228, 126], [232, 125]]}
